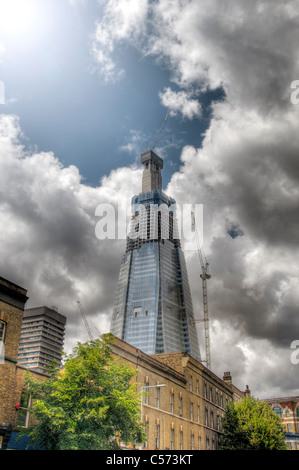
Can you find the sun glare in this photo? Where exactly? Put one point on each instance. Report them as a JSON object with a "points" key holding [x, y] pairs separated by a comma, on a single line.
{"points": [[17, 17]]}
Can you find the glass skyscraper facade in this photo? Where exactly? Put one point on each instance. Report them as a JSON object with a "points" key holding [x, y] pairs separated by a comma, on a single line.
{"points": [[153, 307]]}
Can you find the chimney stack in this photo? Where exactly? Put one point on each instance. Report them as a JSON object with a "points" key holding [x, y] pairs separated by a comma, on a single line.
{"points": [[227, 378]]}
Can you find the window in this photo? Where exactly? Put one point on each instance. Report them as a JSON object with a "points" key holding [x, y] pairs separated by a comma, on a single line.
{"points": [[206, 417], [192, 441], [157, 397], [191, 411], [197, 386], [157, 436], [180, 406], [171, 439], [145, 445], [2, 330], [190, 383], [181, 440], [278, 411], [145, 395], [171, 400], [287, 413], [199, 442], [198, 413], [23, 415], [137, 311]]}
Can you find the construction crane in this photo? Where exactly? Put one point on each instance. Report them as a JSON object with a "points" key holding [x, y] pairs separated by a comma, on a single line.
{"points": [[204, 276], [159, 133], [85, 320]]}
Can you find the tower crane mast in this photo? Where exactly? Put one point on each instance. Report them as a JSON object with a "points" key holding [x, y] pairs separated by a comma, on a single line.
{"points": [[204, 277], [85, 320], [160, 131]]}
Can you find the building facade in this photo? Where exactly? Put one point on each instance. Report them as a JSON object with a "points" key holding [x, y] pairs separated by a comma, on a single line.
{"points": [[183, 401], [182, 405], [287, 409], [13, 399], [42, 338], [153, 307]]}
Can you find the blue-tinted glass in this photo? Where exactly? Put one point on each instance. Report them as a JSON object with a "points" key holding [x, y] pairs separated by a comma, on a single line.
{"points": [[153, 308]]}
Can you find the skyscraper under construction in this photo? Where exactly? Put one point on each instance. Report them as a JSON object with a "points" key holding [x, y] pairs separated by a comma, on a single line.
{"points": [[153, 307]]}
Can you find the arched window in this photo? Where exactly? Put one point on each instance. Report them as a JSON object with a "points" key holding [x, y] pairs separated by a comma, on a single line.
{"points": [[278, 410]]}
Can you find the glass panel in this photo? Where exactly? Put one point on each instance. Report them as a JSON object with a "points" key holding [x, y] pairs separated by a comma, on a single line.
{"points": [[153, 308]]}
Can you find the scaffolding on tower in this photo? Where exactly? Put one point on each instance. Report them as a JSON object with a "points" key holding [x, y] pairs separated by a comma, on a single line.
{"points": [[204, 277]]}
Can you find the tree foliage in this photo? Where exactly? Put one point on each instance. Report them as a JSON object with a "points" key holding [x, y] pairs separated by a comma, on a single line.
{"points": [[89, 403], [252, 425]]}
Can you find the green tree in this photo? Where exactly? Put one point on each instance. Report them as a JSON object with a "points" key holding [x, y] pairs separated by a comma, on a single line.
{"points": [[88, 403], [252, 425]]}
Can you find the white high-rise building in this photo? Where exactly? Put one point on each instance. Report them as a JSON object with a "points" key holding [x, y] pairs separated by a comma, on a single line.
{"points": [[42, 338]]}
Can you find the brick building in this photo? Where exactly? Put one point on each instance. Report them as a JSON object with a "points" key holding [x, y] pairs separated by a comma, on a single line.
{"points": [[287, 409], [12, 376], [184, 401]]}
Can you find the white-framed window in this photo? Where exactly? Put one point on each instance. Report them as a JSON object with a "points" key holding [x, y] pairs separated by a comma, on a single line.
{"points": [[145, 394], [180, 406], [191, 411], [145, 444], [171, 402], [158, 397], [192, 442], [181, 440], [157, 436], [2, 330], [171, 439], [206, 417], [23, 414]]}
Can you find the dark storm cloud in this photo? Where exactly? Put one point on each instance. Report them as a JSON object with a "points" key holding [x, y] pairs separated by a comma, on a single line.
{"points": [[245, 174], [48, 221]]}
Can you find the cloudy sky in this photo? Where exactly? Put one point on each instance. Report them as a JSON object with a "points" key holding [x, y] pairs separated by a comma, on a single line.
{"points": [[85, 86]]}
